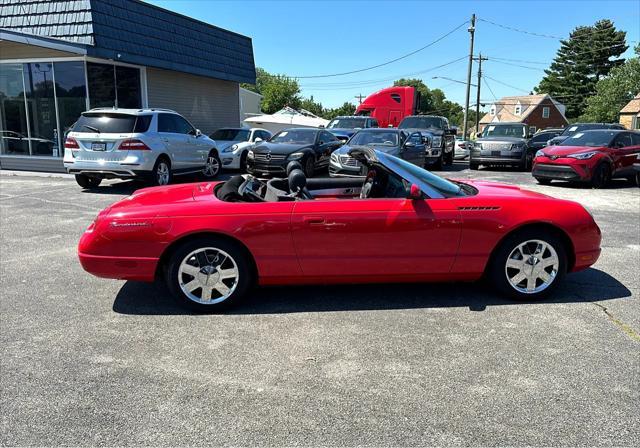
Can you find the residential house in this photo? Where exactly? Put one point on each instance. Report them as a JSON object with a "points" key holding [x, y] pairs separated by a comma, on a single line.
{"points": [[538, 111], [630, 114]]}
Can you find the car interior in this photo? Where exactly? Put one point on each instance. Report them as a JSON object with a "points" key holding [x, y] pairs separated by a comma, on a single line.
{"points": [[379, 183]]}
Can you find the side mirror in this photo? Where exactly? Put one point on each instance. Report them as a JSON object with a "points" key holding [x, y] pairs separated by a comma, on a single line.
{"points": [[198, 133], [478, 134], [415, 192], [257, 140], [619, 145], [409, 145]]}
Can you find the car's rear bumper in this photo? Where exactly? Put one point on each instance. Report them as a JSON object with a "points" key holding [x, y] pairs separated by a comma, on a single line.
{"points": [[121, 268], [107, 169]]}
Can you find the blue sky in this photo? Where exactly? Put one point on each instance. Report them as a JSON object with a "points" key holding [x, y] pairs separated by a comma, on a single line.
{"points": [[302, 38]]}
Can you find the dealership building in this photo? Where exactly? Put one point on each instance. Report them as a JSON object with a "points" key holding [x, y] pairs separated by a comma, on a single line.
{"points": [[59, 58]]}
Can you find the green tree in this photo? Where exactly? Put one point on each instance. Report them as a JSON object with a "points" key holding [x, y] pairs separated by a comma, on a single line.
{"points": [[346, 109], [581, 62], [426, 97], [313, 107], [614, 91], [277, 91]]}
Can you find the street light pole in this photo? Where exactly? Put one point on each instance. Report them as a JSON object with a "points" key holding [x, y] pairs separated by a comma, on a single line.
{"points": [[471, 30]]}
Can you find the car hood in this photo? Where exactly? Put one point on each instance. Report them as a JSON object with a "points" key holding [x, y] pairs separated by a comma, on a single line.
{"points": [[224, 144], [489, 188], [566, 150], [280, 148], [343, 131], [433, 131], [502, 139]]}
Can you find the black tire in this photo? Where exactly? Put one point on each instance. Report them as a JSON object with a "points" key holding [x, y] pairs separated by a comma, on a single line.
{"points": [[474, 166], [497, 271], [543, 181], [239, 288], [601, 176], [448, 158], [88, 182], [309, 166], [638, 179], [525, 165], [243, 162], [159, 176], [436, 166], [213, 166]]}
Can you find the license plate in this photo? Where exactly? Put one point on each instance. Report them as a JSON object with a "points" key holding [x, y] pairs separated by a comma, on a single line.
{"points": [[98, 146]]}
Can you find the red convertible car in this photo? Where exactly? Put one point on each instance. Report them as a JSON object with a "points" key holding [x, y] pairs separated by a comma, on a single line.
{"points": [[213, 241]]}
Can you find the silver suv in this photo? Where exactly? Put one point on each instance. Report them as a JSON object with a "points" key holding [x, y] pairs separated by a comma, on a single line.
{"points": [[155, 144]]}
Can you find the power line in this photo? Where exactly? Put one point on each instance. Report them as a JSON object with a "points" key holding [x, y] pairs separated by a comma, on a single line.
{"points": [[518, 65], [581, 35], [489, 87], [388, 62]]}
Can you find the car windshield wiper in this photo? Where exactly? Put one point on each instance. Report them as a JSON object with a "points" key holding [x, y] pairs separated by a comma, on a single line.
{"points": [[91, 128]]}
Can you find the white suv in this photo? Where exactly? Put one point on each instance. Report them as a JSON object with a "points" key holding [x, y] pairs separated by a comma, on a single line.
{"points": [[156, 144]]}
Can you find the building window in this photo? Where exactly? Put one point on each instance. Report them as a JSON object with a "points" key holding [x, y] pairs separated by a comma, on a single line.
{"points": [[396, 97], [636, 122], [546, 111], [518, 110], [14, 134], [41, 109], [71, 91], [114, 86], [492, 111]]}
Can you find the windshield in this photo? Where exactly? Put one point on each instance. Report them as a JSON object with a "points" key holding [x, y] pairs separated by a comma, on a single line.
{"points": [[347, 123], [582, 127], [422, 123], [375, 138], [590, 138], [236, 135], [112, 123], [444, 186], [297, 137], [514, 130]]}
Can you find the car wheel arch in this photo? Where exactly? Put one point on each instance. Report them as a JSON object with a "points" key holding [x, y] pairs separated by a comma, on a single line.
{"points": [[545, 227], [168, 252]]}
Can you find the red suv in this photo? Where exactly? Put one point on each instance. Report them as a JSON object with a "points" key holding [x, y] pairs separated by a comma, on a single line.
{"points": [[594, 156]]}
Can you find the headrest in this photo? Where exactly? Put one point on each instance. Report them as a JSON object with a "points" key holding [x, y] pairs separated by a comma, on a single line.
{"points": [[293, 166], [297, 181]]}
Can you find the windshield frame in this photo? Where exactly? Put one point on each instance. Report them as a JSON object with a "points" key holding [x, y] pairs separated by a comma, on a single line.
{"points": [[495, 126], [361, 120], [399, 137]]}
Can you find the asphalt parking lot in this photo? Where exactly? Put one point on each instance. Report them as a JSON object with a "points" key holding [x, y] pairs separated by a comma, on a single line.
{"points": [[88, 361]]}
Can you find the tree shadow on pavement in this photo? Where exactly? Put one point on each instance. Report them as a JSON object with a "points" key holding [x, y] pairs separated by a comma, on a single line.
{"points": [[586, 286]]}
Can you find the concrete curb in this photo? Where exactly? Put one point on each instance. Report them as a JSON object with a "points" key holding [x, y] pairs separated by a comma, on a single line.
{"points": [[15, 173]]}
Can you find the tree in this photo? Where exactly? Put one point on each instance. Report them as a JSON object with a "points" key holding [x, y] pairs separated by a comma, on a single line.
{"points": [[614, 91], [426, 97], [346, 109], [277, 91], [581, 62], [313, 107]]}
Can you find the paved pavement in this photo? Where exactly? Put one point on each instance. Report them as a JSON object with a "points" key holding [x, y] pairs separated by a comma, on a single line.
{"points": [[88, 361]]}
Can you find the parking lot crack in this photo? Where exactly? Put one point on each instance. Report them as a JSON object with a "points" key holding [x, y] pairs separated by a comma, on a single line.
{"points": [[626, 329]]}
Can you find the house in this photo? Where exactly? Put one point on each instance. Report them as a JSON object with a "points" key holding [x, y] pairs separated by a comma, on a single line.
{"points": [[630, 114], [61, 57], [539, 111]]}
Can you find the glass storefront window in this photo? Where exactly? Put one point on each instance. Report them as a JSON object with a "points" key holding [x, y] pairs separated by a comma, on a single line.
{"points": [[14, 138], [113, 86], [71, 90], [41, 109], [128, 87]]}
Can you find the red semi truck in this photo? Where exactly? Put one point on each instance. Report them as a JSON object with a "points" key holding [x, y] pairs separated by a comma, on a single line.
{"points": [[389, 106]]}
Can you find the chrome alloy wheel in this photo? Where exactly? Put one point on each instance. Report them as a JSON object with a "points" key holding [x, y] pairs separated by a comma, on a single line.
{"points": [[212, 167], [532, 266], [162, 173], [208, 275]]}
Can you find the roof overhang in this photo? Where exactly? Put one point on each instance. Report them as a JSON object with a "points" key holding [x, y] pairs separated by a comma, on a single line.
{"points": [[44, 42]]}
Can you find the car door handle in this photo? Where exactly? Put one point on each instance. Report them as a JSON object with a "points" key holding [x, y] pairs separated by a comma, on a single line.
{"points": [[313, 220], [165, 139]]}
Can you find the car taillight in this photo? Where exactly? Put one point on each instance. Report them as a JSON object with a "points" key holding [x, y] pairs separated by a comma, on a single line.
{"points": [[462, 145], [133, 144], [71, 143]]}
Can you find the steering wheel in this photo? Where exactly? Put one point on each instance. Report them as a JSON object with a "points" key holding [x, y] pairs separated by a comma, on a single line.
{"points": [[367, 187]]}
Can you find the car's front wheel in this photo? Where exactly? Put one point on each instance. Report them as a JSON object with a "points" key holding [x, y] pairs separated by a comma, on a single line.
{"points": [[448, 158], [601, 176], [309, 166], [88, 182], [528, 265], [212, 166], [209, 274]]}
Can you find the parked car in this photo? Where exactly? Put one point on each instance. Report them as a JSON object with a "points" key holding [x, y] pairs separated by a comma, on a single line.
{"points": [[539, 139], [502, 144], [345, 126], [406, 145], [461, 149], [308, 146], [234, 145], [636, 168], [211, 242], [438, 130], [591, 156], [153, 144], [580, 127]]}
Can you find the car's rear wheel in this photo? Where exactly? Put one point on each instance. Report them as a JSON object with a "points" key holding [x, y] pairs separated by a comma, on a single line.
{"points": [[209, 274], [601, 176], [161, 174], [529, 264], [88, 182], [448, 158], [309, 166], [543, 181], [212, 166]]}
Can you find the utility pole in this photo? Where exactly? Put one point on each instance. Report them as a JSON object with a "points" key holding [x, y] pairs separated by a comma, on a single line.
{"points": [[471, 30], [479, 59], [359, 98]]}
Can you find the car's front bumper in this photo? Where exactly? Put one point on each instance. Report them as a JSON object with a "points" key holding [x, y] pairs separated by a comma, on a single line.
{"points": [[267, 168], [564, 168], [502, 157], [231, 160]]}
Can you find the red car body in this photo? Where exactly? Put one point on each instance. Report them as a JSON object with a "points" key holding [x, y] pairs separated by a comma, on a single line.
{"points": [[554, 162], [333, 240], [389, 106]]}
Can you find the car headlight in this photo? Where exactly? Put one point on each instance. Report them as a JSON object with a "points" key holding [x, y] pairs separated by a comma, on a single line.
{"points": [[517, 146], [296, 156], [250, 155], [230, 148], [539, 153], [334, 157], [582, 156], [436, 142]]}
